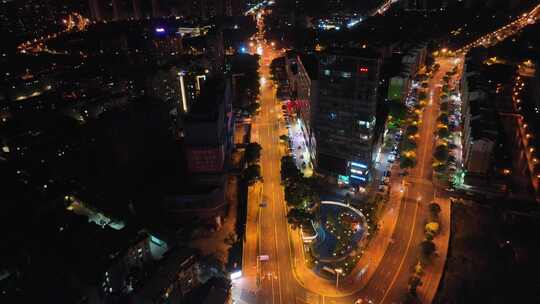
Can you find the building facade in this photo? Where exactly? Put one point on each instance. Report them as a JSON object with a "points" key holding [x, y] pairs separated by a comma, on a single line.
{"points": [[303, 89], [344, 114], [208, 128]]}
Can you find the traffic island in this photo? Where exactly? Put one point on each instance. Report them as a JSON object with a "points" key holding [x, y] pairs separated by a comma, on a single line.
{"points": [[340, 232]]}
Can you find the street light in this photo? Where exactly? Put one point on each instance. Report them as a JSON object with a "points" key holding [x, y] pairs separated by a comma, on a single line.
{"points": [[338, 272]]}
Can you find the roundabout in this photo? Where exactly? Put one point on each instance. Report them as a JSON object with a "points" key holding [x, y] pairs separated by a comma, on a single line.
{"points": [[340, 231]]}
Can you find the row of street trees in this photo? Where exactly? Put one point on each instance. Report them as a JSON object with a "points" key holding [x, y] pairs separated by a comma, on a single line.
{"points": [[299, 192], [427, 250], [441, 153], [401, 115], [252, 155]]}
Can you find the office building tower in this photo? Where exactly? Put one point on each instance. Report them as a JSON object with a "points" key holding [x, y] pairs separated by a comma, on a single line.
{"points": [[208, 128], [156, 10], [136, 5], [344, 114], [95, 10]]}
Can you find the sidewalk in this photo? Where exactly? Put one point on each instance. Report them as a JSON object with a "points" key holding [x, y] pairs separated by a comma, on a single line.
{"points": [[365, 268], [434, 272]]}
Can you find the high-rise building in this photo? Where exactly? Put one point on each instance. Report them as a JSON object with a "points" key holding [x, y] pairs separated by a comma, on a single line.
{"points": [[344, 114], [208, 128], [95, 10]]}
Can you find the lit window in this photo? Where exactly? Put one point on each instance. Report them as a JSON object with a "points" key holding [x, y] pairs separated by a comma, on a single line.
{"points": [[346, 74], [333, 116], [327, 72]]}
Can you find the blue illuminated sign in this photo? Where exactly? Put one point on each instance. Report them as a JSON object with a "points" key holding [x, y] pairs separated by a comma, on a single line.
{"points": [[355, 164], [358, 178]]}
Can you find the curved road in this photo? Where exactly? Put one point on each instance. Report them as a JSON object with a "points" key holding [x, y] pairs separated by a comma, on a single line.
{"points": [[274, 280]]}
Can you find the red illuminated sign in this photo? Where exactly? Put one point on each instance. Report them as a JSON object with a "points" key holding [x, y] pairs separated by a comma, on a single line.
{"points": [[363, 70]]}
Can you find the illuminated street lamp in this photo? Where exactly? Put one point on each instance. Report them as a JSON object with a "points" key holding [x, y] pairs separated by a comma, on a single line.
{"points": [[338, 272]]}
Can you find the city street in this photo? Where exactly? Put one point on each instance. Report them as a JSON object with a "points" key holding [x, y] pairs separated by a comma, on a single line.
{"points": [[275, 279], [389, 284]]}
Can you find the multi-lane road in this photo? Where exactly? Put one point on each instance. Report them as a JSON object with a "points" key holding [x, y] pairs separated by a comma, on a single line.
{"points": [[505, 31], [274, 280]]}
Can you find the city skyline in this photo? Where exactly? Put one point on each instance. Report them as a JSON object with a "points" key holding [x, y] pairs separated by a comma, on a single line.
{"points": [[269, 151]]}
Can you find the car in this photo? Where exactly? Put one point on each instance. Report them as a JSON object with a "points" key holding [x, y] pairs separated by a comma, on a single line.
{"points": [[384, 183], [390, 160], [383, 188], [387, 173]]}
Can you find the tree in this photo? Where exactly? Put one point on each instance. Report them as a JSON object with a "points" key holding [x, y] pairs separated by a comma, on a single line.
{"points": [[289, 171], [298, 192], [418, 269], [252, 174], [427, 248], [253, 108], [443, 118], [422, 95], [424, 85], [411, 130], [432, 227], [397, 110], [414, 282], [407, 162], [410, 298], [440, 167], [434, 209], [444, 106], [443, 132], [441, 153], [297, 217], [408, 144], [253, 152]]}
